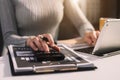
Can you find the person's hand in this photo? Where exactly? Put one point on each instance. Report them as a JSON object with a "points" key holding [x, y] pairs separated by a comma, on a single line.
{"points": [[38, 43], [91, 37]]}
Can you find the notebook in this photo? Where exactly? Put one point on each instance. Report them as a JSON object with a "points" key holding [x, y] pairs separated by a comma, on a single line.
{"points": [[108, 40], [23, 62]]}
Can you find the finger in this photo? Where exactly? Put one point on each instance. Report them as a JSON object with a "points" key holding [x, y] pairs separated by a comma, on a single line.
{"points": [[37, 43], [44, 46], [32, 45], [97, 33], [89, 41], [56, 48], [50, 39], [87, 38], [93, 36]]}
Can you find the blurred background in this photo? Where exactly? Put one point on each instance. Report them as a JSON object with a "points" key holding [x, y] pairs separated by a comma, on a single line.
{"points": [[94, 10]]}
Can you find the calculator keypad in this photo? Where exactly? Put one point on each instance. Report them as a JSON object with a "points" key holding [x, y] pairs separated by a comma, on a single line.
{"points": [[27, 54]]}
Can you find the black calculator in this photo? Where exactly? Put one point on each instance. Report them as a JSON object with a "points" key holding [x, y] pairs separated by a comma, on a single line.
{"points": [[53, 55]]}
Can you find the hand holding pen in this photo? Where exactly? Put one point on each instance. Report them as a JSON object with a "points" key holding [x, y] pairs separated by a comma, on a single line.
{"points": [[42, 42]]}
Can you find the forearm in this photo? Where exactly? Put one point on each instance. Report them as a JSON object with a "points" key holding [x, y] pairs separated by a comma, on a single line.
{"points": [[11, 38], [87, 27], [77, 17], [8, 24]]}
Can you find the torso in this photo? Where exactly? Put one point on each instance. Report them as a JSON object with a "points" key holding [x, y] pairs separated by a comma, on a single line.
{"points": [[38, 15]]}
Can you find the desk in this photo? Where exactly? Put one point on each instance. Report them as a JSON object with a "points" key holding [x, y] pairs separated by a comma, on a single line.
{"points": [[108, 69]]}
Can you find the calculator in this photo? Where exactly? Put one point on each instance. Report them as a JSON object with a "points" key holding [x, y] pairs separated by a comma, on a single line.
{"points": [[23, 60], [26, 53]]}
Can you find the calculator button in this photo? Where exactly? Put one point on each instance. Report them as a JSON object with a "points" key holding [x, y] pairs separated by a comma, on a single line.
{"points": [[27, 59], [32, 58], [22, 58]]}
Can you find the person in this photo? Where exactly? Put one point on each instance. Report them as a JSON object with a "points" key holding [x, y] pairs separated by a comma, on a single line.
{"points": [[26, 22]]}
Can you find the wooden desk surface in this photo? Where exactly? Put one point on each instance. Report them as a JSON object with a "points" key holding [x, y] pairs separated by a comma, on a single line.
{"points": [[72, 41]]}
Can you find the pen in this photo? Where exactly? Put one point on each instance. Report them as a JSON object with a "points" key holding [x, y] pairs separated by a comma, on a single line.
{"points": [[46, 39]]}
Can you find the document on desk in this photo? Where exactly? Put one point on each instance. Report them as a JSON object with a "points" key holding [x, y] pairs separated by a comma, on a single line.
{"points": [[27, 64]]}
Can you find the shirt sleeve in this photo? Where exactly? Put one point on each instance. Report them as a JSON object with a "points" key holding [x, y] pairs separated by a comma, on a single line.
{"points": [[75, 14], [8, 24]]}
